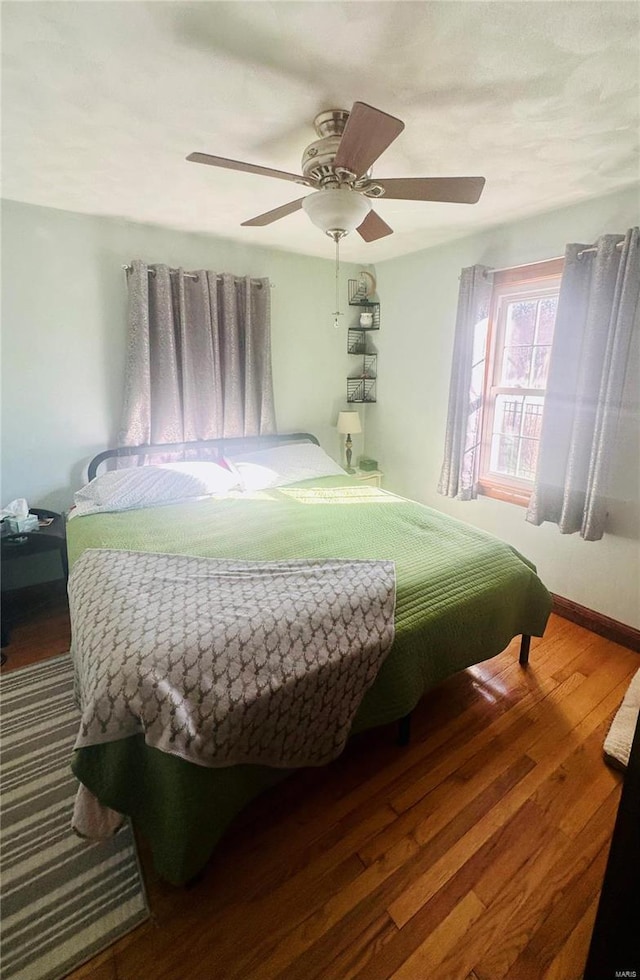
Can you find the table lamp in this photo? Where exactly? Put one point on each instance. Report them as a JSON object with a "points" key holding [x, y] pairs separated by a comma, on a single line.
{"points": [[349, 422]]}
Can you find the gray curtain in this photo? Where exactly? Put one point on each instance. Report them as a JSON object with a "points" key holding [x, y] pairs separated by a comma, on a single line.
{"points": [[199, 357], [459, 475], [597, 316]]}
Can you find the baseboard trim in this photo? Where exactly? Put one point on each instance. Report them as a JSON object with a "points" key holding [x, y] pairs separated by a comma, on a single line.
{"points": [[611, 629]]}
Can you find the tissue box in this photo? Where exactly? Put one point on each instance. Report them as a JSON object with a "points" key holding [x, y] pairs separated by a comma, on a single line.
{"points": [[369, 465], [19, 525]]}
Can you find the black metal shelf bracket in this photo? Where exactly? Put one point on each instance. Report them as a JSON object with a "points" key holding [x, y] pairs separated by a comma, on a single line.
{"points": [[361, 383]]}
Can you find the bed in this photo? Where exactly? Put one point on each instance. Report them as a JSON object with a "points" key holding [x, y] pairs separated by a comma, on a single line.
{"points": [[461, 597]]}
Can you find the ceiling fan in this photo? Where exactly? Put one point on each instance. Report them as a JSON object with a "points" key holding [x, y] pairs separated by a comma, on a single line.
{"points": [[338, 167]]}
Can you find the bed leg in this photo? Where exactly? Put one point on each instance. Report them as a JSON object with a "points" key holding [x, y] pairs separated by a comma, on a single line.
{"points": [[404, 730], [524, 650]]}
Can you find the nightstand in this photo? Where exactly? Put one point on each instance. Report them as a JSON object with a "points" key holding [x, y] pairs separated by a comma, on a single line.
{"points": [[20, 544], [23, 544], [371, 477]]}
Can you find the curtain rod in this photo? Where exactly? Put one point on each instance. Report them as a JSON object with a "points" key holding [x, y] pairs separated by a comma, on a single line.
{"points": [[585, 251], [193, 275], [508, 268], [593, 248]]}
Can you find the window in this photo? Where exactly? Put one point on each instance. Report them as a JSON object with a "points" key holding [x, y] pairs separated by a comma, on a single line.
{"points": [[521, 322]]}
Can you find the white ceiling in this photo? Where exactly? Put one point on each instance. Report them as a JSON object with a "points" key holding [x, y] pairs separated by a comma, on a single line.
{"points": [[102, 101]]}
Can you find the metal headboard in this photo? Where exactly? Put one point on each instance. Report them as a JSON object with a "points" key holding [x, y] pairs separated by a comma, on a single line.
{"points": [[220, 447]]}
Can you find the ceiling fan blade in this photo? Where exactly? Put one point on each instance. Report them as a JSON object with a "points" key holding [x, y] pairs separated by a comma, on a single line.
{"points": [[249, 168], [454, 190], [269, 216], [367, 134], [373, 228]]}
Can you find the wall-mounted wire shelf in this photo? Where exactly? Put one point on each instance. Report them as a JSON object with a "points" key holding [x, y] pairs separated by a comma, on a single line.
{"points": [[356, 341], [358, 295], [363, 305], [368, 367], [361, 383], [361, 389]]}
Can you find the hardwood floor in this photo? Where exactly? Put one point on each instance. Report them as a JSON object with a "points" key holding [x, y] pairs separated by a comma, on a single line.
{"points": [[37, 621], [475, 853]]}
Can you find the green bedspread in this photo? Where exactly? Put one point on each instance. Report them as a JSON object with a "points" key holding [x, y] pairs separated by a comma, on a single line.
{"points": [[462, 595]]}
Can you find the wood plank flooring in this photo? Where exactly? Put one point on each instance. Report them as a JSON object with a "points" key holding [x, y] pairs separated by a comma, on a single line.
{"points": [[475, 853]]}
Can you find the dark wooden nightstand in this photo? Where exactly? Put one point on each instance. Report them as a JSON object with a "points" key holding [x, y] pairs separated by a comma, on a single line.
{"points": [[24, 544]]}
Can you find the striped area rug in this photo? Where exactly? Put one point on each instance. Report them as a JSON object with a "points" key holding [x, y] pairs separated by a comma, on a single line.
{"points": [[63, 899]]}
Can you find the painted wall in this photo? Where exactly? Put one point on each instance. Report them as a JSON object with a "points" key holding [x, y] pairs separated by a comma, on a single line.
{"points": [[64, 339], [405, 429]]}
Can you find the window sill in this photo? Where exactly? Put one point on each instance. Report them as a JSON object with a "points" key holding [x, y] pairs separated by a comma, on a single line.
{"points": [[511, 495]]}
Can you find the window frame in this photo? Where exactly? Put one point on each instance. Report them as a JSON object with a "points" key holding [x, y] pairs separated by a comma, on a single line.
{"points": [[515, 283]]}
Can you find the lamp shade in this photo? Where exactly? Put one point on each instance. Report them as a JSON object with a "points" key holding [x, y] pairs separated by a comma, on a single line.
{"points": [[337, 209], [349, 423]]}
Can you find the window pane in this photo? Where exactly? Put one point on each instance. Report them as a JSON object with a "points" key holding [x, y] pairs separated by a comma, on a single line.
{"points": [[540, 367], [480, 340], [547, 319], [516, 432], [516, 364], [504, 454], [473, 429], [477, 383], [532, 417], [521, 336], [528, 459], [508, 415], [521, 323]]}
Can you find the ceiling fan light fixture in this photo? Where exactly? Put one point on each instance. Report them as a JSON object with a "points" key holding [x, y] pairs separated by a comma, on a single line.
{"points": [[336, 210], [338, 167]]}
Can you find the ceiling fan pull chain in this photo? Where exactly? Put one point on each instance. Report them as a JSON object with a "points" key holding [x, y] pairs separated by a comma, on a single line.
{"points": [[337, 313]]}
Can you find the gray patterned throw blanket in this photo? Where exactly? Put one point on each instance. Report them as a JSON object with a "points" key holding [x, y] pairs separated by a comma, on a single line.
{"points": [[224, 662]]}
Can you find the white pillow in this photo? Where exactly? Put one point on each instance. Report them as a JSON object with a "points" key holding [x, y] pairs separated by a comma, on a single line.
{"points": [[145, 486], [281, 465], [212, 476]]}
